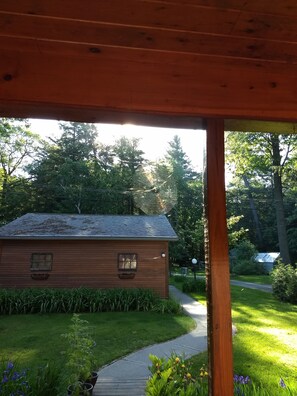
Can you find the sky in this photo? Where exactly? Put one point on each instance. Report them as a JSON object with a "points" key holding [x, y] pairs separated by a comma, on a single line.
{"points": [[154, 141]]}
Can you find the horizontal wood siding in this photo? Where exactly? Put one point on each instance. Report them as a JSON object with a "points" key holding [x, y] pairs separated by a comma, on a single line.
{"points": [[85, 263]]}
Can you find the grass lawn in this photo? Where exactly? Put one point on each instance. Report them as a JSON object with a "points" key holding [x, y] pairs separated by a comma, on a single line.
{"points": [[33, 340], [265, 346], [260, 279]]}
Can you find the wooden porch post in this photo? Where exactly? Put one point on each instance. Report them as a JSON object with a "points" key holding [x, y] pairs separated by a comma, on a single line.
{"points": [[217, 265]]}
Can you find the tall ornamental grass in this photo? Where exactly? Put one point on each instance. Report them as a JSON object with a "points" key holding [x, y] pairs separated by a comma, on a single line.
{"points": [[41, 301]]}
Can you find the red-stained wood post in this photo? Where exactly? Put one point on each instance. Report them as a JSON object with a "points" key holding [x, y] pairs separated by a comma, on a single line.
{"points": [[217, 265]]}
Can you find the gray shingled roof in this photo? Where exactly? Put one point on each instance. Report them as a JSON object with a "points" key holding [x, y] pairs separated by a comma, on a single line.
{"points": [[75, 226]]}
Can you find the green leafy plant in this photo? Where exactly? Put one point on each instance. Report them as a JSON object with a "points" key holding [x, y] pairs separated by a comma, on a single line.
{"points": [[79, 355], [44, 381], [173, 377], [192, 286], [179, 278], [27, 301]]}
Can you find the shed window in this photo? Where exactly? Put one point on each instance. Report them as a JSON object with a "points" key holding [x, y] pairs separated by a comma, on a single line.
{"points": [[127, 261], [41, 261]]}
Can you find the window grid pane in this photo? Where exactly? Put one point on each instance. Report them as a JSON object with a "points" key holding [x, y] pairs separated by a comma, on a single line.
{"points": [[41, 261], [127, 261]]}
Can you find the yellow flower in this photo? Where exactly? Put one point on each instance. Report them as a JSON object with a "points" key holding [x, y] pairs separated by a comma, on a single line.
{"points": [[189, 376], [203, 372], [177, 360], [183, 366]]}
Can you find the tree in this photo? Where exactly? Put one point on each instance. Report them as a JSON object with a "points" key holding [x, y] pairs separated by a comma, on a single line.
{"points": [[62, 173], [187, 215], [17, 146], [128, 158], [264, 158]]}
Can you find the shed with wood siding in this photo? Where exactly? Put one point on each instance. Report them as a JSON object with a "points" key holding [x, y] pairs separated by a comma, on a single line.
{"points": [[58, 250]]}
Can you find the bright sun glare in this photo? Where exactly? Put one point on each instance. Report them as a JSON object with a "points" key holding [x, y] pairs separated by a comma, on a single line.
{"points": [[153, 141]]}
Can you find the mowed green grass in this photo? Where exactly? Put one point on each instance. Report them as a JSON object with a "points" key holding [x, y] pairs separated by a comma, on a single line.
{"points": [[260, 279], [33, 340], [265, 345]]}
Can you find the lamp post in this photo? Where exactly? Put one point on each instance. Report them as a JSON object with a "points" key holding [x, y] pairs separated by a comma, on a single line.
{"points": [[194, 262]]}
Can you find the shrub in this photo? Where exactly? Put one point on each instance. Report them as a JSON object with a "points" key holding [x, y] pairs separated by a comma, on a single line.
{"points": [[242, 260], [284, 283], [24, 301], [248, 267], [192, 285], [168, 306], [179, 278]]}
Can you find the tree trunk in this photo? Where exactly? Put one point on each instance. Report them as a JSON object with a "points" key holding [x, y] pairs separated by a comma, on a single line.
{"points": [[278, 200], [254, 211]]}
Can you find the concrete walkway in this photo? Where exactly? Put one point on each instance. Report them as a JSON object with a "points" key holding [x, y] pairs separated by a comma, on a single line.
{"points": [[127, 376]]}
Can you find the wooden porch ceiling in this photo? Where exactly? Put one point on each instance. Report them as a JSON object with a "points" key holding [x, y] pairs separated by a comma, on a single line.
{"points": [[103, 60]]}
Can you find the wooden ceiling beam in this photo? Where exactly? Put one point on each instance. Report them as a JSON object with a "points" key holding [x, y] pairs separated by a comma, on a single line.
{"points": [[69, 76]]}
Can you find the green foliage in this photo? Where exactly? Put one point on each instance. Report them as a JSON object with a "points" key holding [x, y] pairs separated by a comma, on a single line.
{"points": [[17, 147], [173, 376], [248, 267], [79, 355], [25, 301], [193, 286], [179, 278], [262, 190], [13, 380], [44, 381], [167, 306], [242, 260], [284, 283], [235, 233], [187, 215]]}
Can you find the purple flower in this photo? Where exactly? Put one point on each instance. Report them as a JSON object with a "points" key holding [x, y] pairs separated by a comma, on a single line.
{"points": [[9, 365], [15, 376], [4, 379], [240, 379], [282, 383]]}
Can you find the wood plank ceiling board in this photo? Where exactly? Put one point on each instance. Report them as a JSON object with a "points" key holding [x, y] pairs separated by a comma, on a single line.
{"points": [[189, 58]]}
